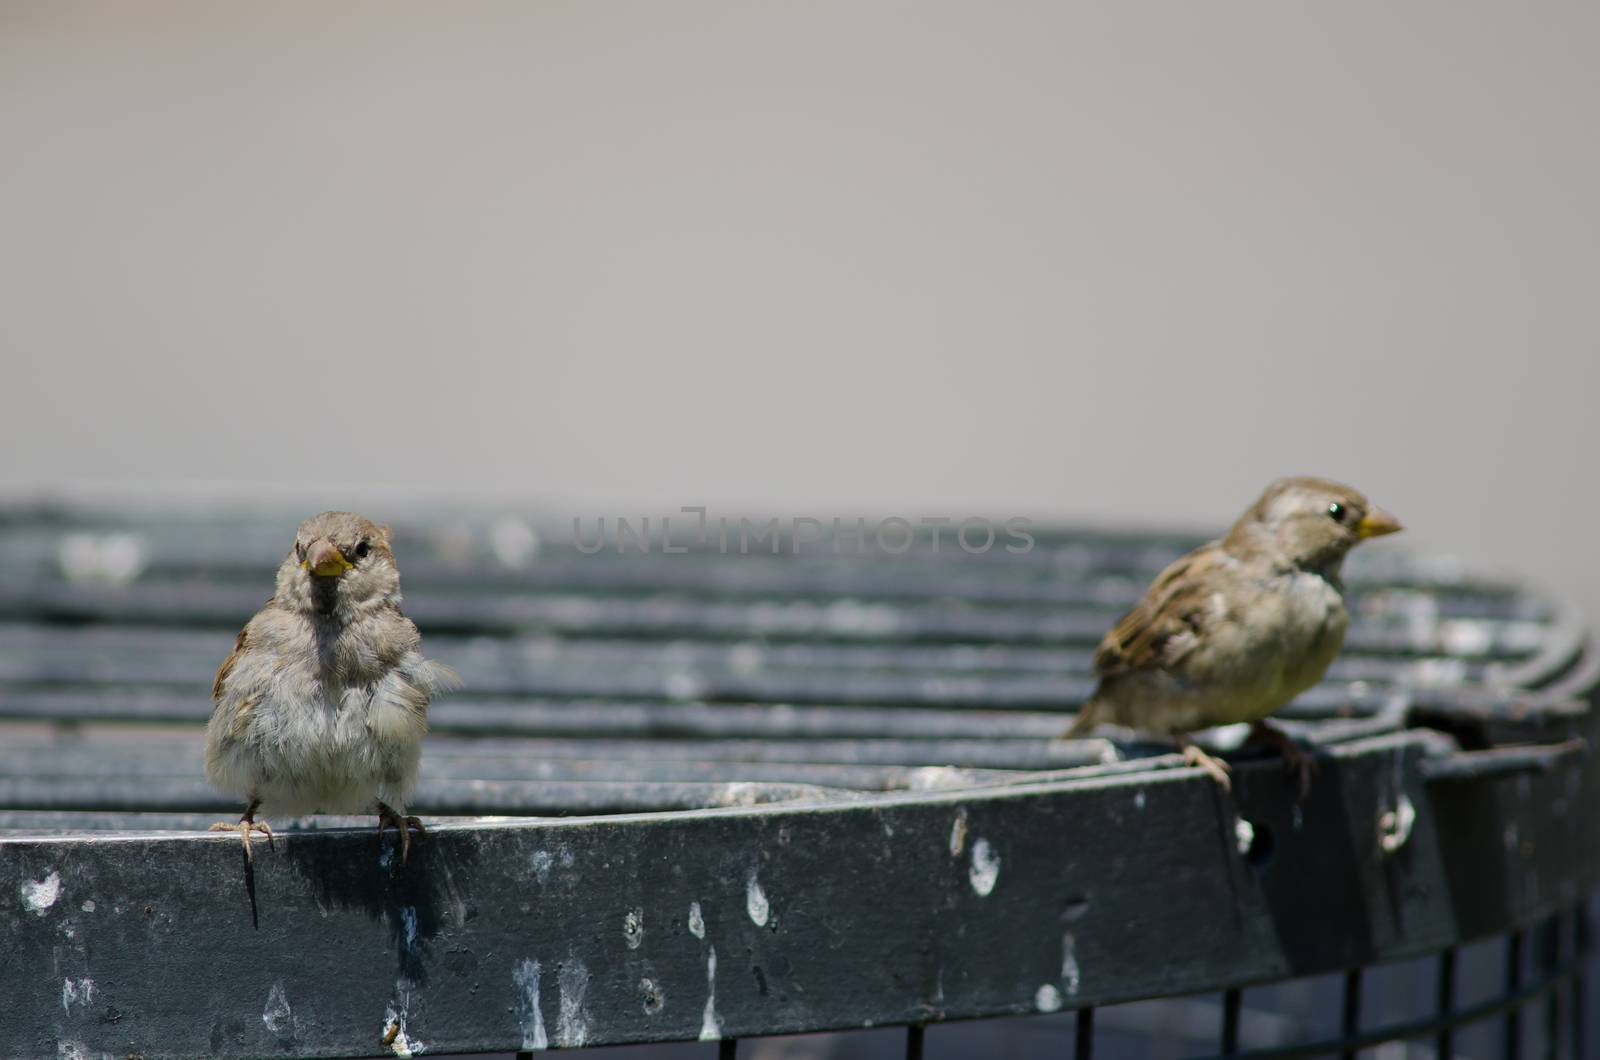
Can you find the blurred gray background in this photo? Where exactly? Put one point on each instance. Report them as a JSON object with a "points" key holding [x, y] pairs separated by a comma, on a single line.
{"points": [[1110, 261]]}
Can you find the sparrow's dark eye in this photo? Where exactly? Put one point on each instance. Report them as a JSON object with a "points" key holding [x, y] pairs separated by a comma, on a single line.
{"points": [[362, 549], [1336, 511]]}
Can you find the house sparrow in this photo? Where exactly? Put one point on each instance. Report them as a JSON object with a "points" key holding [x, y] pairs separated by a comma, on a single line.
{"points": [[1237, 628], [322, 704]]}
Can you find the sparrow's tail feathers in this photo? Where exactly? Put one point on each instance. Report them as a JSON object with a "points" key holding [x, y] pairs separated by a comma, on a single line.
{"points": [[1088, 717]]}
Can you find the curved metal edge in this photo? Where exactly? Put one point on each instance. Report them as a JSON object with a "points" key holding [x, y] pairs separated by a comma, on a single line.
{"points": [[1565, 643], [1499, 762], [903, 908]]}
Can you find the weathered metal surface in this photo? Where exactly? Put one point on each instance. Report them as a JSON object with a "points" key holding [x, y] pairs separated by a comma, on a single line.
{"points": [[900, 909], [847, 765]]}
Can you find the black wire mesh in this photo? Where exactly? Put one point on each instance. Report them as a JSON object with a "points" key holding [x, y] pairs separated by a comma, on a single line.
{"points": [[1273, 1025]]}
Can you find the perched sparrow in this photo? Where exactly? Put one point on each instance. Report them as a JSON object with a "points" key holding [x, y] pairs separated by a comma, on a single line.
{"points": [[322, 705], [1237, 628]]}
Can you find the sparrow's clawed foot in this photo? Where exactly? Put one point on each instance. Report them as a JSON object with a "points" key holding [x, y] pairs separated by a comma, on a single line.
{"points": [[1194, 756], [245, 827], [1296, 759], [387, 818]]}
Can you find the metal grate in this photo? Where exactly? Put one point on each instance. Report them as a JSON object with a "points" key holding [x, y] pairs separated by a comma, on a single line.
{"points": [[859, 700]]}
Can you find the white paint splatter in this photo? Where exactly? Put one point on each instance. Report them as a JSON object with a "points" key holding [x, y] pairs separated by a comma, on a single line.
{"points": [[76, 992], [572, 1026], [71, 1051], [541, 862], [1047, 999], [394, 1021], [385, 859], [526, 978], [277, 1014], [655, 998], [408, 923], [1070, 975], [755, 901], [1138, 800], [1296, 818], [958, 833], [458, 906], [711, 1025], [985, 868], [1244, 835], [697, 923], [1394, 827], [88, 905], [633, 927], [40, 895]]}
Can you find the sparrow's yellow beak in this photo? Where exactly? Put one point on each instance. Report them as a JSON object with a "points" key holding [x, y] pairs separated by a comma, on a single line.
{"points": [[1376, 523], [325, 561]]}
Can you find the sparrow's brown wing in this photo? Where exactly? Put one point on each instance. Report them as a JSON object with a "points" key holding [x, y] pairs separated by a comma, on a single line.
{"points": [[227, 665], [1165, 625]]}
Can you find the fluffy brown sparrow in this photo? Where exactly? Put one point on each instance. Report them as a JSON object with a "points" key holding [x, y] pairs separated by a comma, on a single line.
{"points": [[1237, 628], [322, 705]]}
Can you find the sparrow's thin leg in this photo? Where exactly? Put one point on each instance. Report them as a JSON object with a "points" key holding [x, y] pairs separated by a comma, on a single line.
{"points": [[1193, 755], [403, 825], [246, 825], [1296, 759]]}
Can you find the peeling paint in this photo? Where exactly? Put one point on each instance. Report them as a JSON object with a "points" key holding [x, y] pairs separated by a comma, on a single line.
{"points": [[1139, 800], [408, 925], [541, 862], [655, 998], [697, 923], [526, 979], [1244, 835], [88, 905], [572, 1025], [1070, 974], [457, 906], [76, 992], [40, 895], [985, 868], [633, 927], [958, 833], [755, 901], [277, 1014], [710, 1024], [1047, 999], [1394, 827], [394, 1022]]}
